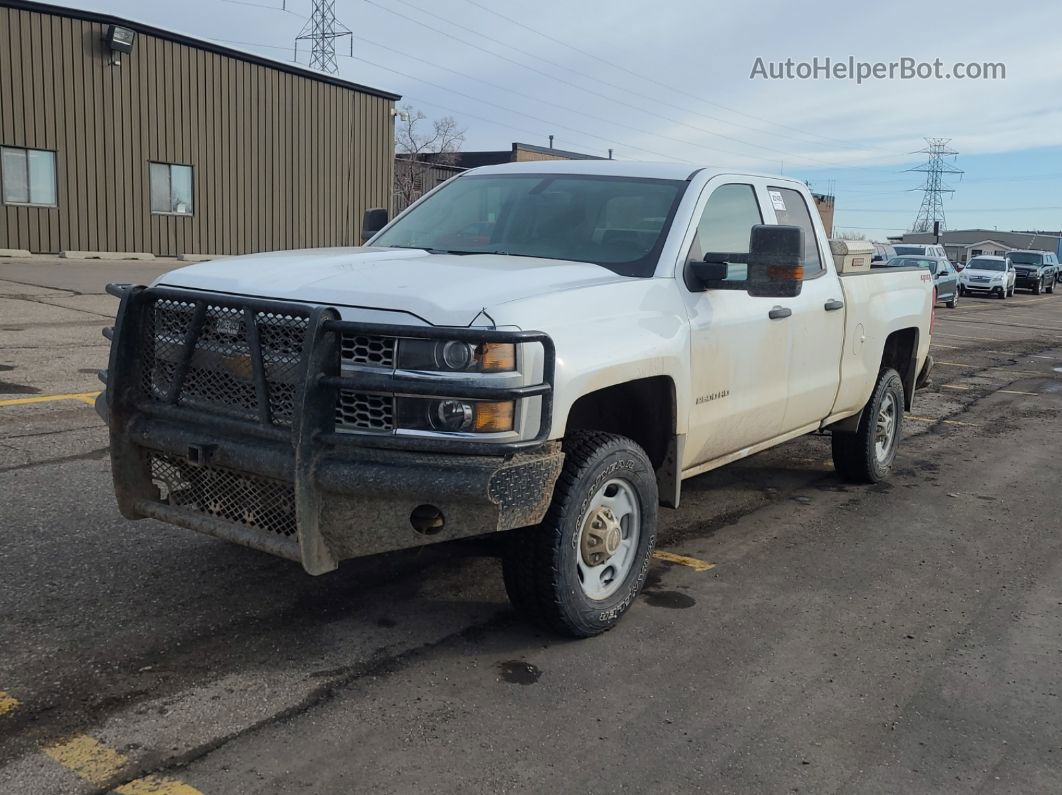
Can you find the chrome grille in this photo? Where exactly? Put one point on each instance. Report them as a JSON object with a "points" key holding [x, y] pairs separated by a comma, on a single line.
{"points": [[242, 499]]}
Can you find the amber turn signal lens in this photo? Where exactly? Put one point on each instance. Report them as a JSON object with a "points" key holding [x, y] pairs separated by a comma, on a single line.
{"points": [[785, 273], [494, 417], [496, 357]]}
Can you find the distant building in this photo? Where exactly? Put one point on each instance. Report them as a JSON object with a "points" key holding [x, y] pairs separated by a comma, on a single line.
{"points": [[962, 244], [119, 136], [825, 204]]}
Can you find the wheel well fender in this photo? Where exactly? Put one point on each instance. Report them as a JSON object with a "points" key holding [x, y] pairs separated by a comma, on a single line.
{"points": [[901, 354], [643, 410]]}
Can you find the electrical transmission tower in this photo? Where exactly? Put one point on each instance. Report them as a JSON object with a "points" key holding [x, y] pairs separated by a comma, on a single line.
{"points": [[322, 29], [933, 189]]}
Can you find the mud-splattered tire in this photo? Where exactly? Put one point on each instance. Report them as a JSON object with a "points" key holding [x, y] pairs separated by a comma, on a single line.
{"points": [[867, 455], [547, 575]]}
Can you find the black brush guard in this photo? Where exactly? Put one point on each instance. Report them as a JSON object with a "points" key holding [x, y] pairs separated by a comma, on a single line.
{"points": [[264, 465]]}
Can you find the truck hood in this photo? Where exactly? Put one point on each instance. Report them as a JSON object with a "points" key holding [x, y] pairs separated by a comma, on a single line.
{"points": [[441, 289]]}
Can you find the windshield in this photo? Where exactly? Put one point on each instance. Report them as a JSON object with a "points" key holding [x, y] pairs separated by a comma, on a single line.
{"points": [[987, 264], [616, 222], [1025, 258], [910, 249], [913, 262]]}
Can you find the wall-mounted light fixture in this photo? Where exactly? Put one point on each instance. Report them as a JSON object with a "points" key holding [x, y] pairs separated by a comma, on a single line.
{"points": [[119, 40]]}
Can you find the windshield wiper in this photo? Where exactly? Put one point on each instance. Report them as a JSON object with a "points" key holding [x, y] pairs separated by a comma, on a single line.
{"points": [[462, 253]]}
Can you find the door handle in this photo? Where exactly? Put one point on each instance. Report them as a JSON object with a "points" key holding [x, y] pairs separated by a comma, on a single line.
{"points": [[779, 312], [833, 305]]}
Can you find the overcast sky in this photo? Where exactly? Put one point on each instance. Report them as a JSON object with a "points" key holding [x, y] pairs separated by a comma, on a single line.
{"points": [[670, 80]]}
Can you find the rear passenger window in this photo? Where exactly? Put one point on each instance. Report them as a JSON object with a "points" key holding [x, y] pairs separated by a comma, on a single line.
{"points": [[726, 226], [791, 209]]}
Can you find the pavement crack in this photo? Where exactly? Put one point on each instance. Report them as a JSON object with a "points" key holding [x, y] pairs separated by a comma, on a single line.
{"points": [[91, 455], [383, 663]]}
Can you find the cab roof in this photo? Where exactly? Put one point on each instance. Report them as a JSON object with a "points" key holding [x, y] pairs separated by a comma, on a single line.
{"points": [[624, 168]]}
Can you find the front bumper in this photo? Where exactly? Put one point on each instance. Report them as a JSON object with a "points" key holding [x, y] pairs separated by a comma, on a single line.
{"points": [[982, 287], [1030, 282], [282, 479]]}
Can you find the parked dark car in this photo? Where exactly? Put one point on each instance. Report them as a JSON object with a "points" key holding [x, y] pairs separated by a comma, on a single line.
{"points": [[945, 277], [1035, 270]]}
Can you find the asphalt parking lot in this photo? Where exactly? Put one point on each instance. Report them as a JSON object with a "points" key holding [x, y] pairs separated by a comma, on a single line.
{"points": [[805, 635]]}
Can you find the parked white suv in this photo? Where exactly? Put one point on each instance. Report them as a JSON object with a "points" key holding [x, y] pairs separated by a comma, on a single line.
{"points": [[548, 348], [988, 276], [919, 250]]}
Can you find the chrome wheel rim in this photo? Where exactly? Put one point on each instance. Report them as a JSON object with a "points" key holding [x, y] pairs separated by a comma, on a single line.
{"points": [[885, 428], [608, 539]]}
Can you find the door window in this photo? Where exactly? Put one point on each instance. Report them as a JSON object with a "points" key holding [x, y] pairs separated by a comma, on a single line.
{"points": [[726, 226], [791, 209]]}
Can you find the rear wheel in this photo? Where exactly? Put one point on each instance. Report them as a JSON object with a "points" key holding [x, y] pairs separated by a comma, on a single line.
{"points": [[578, 571], [954, 302], [867, 455], [1051, 285]]}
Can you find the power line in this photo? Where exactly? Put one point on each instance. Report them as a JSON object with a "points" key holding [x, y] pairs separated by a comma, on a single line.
{"points": [[420, 101], [566, 108], [624, 89], [669, 87], [513, 110]]}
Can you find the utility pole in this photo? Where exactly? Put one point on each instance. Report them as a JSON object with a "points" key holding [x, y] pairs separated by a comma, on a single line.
{"points": [[321, 30], [931, 214]]}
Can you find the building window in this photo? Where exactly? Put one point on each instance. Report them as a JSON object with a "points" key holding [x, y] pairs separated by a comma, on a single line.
{"points": [[171, 189], [28, 176], [976, 252]]}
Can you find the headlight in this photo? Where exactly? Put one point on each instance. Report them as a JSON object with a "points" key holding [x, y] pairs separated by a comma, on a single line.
{"points": [[450, 415], [453, 356]]}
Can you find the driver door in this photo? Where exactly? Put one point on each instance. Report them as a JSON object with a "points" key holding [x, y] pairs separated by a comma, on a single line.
{"points": [[739, 355]]}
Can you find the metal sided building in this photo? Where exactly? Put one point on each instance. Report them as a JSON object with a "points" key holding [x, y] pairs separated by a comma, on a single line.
{"points": [[117, 136]]}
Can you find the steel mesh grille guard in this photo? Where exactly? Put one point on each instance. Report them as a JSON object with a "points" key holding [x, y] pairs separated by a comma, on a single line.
{"points": [[227, 413], [220, 372], [247, 500]]}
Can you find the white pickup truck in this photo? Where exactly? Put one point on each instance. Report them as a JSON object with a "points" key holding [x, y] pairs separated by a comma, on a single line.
{"points": [[543, 348]]}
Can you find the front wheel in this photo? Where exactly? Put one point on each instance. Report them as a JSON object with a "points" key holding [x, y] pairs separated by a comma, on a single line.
{"points": [[954, 302], [1051, 286], [867, 455], [1039, 288], [580, 569]]}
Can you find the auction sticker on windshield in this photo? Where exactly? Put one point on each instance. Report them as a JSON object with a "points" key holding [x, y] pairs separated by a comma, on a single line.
{"points": [[777, 200]]}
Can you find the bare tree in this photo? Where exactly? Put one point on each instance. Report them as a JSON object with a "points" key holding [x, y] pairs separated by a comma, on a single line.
{"points": [[418, 149], [848, 234]]}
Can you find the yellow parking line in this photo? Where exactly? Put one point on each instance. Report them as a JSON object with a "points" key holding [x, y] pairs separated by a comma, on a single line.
{"points": [[682, 560], [940, 345], [946, 422], [89, 398], [8, 703], [100, 765]]}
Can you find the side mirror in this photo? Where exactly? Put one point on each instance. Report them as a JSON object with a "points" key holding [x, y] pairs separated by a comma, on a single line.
{"points": [[710, 270], [372, 222], [775, 265], [776, 261]]}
